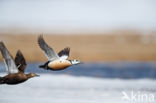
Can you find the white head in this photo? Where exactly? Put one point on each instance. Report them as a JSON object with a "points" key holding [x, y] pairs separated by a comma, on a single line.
{"points": [[75, 62]]}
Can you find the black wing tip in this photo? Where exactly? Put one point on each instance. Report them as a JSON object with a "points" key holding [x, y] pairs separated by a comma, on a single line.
{"points": [[20, 58], [1, 42], [2, 46], [67, 48], [40, 37], [65, 51], [40, 41], [19, 53]]}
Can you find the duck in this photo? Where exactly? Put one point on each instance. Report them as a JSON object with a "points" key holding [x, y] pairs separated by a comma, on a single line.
{"points": [[55, 61], [15, 68]]}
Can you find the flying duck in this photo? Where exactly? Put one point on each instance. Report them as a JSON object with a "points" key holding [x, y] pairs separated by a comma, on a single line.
{"points": [[15, 68], [55, 61]]}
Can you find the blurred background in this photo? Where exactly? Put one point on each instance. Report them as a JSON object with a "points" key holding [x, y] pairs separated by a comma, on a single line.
{"points": [[116, 40]]}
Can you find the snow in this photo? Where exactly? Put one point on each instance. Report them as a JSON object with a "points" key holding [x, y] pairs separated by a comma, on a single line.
{"points": [[50, 88]]}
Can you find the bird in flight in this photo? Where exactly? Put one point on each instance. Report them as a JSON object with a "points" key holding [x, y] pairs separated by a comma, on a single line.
{"points": [[55, 61], [15, 68]]}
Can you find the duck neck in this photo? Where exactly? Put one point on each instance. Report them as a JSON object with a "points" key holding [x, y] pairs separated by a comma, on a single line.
{"points": [[70, 61]]}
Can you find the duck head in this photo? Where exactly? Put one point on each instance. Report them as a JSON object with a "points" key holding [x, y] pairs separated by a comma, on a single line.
{"points": [[30, 75], [75, 62]]}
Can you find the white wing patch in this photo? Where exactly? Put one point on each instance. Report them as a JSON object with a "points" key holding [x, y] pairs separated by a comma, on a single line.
{"points": [[63, 57], [64, 54]]}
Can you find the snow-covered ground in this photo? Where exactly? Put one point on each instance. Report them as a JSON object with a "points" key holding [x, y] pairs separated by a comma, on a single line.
{"points": [[50, 88]]}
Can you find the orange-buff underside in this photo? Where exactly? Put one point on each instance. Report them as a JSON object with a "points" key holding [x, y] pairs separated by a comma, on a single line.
{"points": [[59, 65]]}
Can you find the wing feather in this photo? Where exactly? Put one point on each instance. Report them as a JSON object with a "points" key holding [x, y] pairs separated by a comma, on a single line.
{"points": [[10, 64], [20, 61], [49, 52], [64, 54]]}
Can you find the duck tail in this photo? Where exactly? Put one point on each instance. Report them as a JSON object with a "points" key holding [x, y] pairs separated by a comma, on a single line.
{"points": [[42, 66], [1, 80]]}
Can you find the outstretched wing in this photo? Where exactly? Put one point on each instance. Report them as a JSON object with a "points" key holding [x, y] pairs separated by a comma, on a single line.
{"points": [[20, 61], [64, 54], [49, 52], [8, 60]]}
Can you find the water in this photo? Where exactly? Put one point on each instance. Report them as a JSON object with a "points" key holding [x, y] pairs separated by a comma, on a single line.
{"points": [[87, 83], [125, 70]]}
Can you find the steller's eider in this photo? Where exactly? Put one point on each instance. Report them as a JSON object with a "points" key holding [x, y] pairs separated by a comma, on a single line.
{"points": [[55, 61]]}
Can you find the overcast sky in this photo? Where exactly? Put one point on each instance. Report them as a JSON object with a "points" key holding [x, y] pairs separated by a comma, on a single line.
{"points": [[70, 15]]}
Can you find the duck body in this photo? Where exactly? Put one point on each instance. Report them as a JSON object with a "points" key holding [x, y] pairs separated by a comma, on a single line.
{"points": [[15, 78], [56, 65]]}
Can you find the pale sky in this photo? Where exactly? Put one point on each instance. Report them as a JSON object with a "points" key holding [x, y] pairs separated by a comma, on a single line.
{"points": [[74, 15]]}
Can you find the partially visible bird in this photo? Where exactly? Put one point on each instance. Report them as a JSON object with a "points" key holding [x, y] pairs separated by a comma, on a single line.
{"points": [[55, 61], [15, 68]]}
